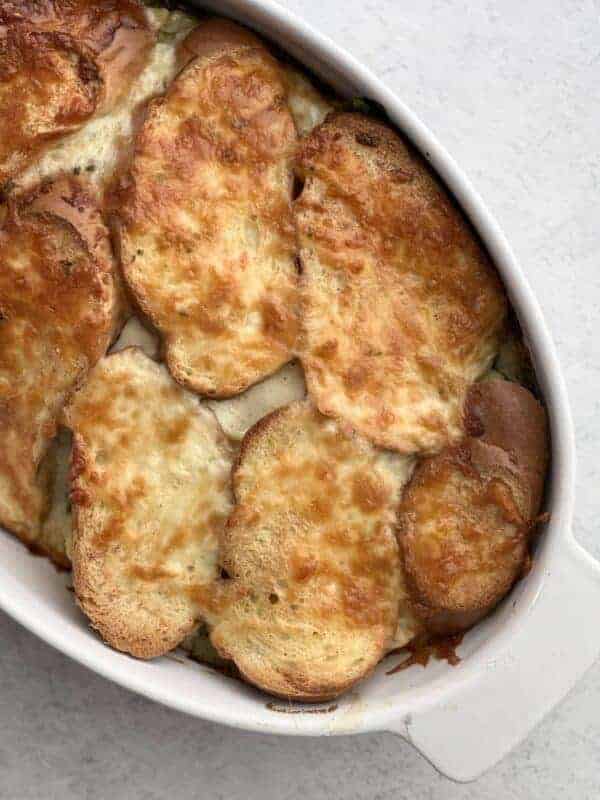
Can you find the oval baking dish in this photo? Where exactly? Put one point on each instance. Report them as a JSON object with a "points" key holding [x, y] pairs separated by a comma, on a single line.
{"points": [[502, 685]]}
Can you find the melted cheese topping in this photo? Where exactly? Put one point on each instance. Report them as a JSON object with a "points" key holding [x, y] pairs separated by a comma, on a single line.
{"points": [[308, 106], [150, 494], [207, 238], [61, 63], [56, 306], [315, 574], [402, 310], [97, 148]]}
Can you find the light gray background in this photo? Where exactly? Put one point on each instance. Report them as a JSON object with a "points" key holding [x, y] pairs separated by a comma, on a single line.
{"points": [[512, 90]]}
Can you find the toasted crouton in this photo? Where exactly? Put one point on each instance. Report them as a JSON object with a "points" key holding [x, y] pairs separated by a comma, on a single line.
{"points": [[315, 586], [57, 313], [61, 62], [206, 236], [401, 308], [150, 491], [467, 513]]}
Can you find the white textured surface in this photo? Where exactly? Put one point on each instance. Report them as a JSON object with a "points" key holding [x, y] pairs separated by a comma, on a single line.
{"points": [[512, 90]]}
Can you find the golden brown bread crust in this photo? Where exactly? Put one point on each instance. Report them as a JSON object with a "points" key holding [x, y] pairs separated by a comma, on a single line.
{"points": [[207, 239], [506, 415], [49, 86], [209, 38], [57, 311], [467, 513], [401, 308], [315, 584], [62, 61], [73, 200], [150, 493]]}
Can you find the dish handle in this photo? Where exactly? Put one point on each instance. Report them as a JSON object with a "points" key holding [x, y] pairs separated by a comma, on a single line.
{"points": [[490, 714]]}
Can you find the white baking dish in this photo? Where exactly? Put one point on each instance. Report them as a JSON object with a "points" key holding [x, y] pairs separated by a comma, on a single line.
{"points": [[515, 665]]}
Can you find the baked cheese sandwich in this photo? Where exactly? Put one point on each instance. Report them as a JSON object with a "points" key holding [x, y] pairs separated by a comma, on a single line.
{"points": [[57, 316], [150, 491], [206, 236], [401, 309], [315, 584], [467, 514]]}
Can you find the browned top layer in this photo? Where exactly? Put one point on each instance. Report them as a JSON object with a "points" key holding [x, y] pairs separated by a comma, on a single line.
{"points": [[61, 61], [207, 238], [315, 577], [48, 87], [56, 311], [402, 308], [467, 512]]}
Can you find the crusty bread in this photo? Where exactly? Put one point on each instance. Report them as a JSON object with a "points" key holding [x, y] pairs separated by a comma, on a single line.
{"points": [[55, 535], [76, 201], [401, 308], [467, 512], [314, 585], [57, 304], [207, 241], [101, 148], [61, 62], [150, 491]]}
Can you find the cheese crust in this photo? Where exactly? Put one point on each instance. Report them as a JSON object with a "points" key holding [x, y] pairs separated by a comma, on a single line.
{"points": [[57, 306], [315, 583], [150, 493], [468, 512], [61, 63], [401, 308], [206, 238]]}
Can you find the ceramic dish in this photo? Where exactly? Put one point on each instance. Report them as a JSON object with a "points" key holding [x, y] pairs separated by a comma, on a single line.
{"points": [[515, 665]]}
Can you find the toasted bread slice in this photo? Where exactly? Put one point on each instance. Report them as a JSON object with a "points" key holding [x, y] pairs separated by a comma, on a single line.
{"points": [[150, 492], [401, 308], [57, 307], [315, 582], [74, 200], [207, 241], [238, 414], [55, 536], [101, 148], [467, 512], [61, 62], [118, 33], [48, 87]]}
